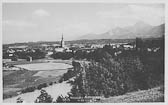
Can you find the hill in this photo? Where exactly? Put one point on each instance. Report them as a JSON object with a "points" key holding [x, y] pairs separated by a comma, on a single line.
{"points": [[150, 95], [140, 29]]}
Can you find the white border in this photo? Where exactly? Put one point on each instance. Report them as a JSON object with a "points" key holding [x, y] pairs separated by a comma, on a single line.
{"points": [[91, 1]]}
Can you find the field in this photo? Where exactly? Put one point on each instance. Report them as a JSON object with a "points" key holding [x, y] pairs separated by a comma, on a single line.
{"points": [[33, 75], [45, 66]]}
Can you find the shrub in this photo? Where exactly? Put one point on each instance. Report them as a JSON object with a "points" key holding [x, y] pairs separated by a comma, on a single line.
{"points": [[60, 99], [19, 100], [51, 83], [42, 86], [28, 89], [44, 97]]}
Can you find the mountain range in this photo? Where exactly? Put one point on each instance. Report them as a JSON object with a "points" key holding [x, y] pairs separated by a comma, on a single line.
{"points": [[140, 29]]}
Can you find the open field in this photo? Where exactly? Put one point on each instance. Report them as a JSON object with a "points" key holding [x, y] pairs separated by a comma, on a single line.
{"points": [[50, 73], [16, 79], [45, 66], [33, 75], [45, 60]]}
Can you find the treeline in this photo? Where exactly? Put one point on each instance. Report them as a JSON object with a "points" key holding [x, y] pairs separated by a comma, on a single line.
{"points": [[80, 54], [62, 55], [39, 87], [71, 72], [130, 71], [44, 97], [37, 54]]}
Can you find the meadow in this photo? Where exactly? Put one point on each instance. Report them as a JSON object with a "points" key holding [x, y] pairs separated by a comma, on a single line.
{"points": [[32, 75]]}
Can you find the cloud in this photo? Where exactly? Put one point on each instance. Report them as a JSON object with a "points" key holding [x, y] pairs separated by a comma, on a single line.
{"points": [[110, 14], [71, 30], [41, 13], [18, 23], [76, 28], [147, 13], [147, 10]]}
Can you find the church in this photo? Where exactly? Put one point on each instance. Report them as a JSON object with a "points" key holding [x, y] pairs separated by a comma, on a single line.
{"points": [[61, 47]]}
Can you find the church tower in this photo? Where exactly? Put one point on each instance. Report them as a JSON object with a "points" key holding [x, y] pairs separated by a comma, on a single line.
{"points": [[62, 42]]}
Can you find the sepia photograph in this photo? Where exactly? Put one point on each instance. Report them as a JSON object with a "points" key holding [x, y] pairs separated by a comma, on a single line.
{"points": [[91, 52]]}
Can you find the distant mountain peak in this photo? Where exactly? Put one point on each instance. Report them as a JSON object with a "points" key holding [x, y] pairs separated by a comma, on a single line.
{"points": [[141, 24]]}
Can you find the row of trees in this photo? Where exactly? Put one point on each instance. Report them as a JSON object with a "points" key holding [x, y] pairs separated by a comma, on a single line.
{"points": [[37, 54], [71, 73], [39, 87], [44, 97]]}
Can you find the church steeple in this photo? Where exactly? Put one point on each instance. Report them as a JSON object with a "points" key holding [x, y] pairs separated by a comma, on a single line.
{"points": [[62, 41]]}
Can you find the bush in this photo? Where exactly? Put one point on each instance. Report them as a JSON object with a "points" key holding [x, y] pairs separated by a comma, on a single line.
{"points": [[42, 86], [61, 80], [28, 89], [59, 99], [44, 97], [62, 55], [19, 100], [50, 83]]}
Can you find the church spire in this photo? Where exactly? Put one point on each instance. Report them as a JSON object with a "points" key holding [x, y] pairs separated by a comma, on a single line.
{"points": [[62, 41], [62, 37]]}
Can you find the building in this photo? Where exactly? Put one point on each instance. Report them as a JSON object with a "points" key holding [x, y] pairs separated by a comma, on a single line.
{"points": [[62, 42], [29, 58], [61, 48]]}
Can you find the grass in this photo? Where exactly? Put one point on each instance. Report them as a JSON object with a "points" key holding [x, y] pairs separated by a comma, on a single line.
{"points": [[16, 81], [150, 95], [24, 62], [7, 72], [17, 77]]}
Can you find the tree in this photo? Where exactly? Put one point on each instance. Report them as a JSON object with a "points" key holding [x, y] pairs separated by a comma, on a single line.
{"points": [[60, 99], [135, 75], [44, 97], [139, 44], [19, 100]]}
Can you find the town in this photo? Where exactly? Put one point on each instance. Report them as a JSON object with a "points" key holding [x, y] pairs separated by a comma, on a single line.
{"points": [[73, 53], [26, 52], [57, 52]]}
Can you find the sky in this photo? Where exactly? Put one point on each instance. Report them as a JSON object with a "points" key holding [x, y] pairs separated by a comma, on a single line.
{"points": [[31, 22]]}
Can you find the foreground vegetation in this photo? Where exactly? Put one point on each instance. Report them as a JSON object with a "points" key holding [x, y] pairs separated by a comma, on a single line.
{"points": [[150, 95], [132, 70]]}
